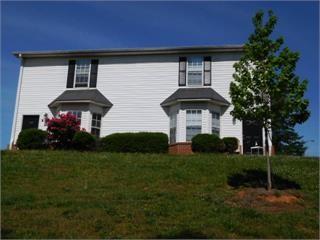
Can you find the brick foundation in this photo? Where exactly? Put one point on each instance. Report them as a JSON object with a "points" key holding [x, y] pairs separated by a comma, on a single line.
{"points": [[180, 148]]}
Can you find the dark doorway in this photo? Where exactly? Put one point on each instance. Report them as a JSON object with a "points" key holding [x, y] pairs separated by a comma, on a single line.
{"points": [[30, 121], [252, 135]]}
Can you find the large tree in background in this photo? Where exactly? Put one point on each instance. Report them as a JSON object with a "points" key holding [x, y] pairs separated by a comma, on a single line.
{"points": [[265, 87], [287, 141]]}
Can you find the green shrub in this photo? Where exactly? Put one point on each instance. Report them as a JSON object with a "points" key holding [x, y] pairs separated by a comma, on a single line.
{"points": [[231, 144], [143, 142], [83, 141], [32, 139], [207, 143]]}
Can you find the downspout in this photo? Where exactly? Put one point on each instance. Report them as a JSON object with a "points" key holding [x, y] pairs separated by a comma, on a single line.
{"points": [[14, 122]]}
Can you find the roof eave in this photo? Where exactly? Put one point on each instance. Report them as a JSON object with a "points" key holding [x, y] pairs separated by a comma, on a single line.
{"points": [[168, 104], [119, 52], [56, 103]]}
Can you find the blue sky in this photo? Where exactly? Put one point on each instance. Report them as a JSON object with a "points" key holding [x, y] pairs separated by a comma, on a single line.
{"points": [[91, 25]]}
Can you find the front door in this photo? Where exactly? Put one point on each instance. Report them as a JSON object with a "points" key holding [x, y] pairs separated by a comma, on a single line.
{"points": [[252, 135], [30, 121]]}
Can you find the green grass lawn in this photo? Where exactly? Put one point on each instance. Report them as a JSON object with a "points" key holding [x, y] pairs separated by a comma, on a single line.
{"points": [[56, 194]]}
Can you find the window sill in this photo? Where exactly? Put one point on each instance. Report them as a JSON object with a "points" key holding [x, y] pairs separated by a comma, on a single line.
{"points": [[80, 88], [200, 86]]}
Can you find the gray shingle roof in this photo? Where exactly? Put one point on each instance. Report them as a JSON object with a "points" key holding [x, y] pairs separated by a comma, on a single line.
{"points": [[130, 51], [207, 94], [83, 95]]}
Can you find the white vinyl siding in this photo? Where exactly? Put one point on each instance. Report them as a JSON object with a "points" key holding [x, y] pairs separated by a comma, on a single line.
{"points": [[136, 86], [193, 124], [82, 73], [195, 71], [222, 70]]}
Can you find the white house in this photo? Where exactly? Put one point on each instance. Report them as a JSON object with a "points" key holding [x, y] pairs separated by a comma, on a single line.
{"points": [[180, 91]]}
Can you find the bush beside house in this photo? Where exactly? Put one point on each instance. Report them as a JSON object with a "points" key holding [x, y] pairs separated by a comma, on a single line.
{"points": [[207, 143], [231, 144], [143, 142], [64, 133], [83, 141], [32, 139]]}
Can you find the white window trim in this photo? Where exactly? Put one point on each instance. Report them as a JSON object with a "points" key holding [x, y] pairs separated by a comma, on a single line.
{"points": [[187, 121], [100, 123], [71, 111], [219, 121], [187, 73], [75, 74]]}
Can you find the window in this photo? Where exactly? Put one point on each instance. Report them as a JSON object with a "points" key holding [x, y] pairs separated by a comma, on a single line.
{"points": [[82, 73], [182, 71], [77, 114], [216, 123], [96, 124], [173, 128], [30, 121], [195, 71], [194, 123]]}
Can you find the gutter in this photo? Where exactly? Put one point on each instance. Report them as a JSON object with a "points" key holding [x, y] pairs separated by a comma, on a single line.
{"points": [[129, 51]]}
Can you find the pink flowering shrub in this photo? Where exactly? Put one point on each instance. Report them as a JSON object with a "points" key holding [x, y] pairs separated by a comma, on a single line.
{"points": [[61, 130]]}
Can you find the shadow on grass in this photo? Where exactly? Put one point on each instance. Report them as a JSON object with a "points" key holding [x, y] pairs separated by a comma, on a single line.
{"points": [[184, 234], [6, 233], [258, 179]]}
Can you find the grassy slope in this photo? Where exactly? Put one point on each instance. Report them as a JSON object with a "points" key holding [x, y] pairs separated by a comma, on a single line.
{"points": [[97, 195]]}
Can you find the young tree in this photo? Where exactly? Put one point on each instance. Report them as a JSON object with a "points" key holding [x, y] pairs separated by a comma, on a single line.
{"points": [[61, 130], [265, 87]]}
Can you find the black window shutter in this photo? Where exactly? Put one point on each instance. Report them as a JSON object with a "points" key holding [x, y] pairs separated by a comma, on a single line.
{"points": [[182, 71], [207, 71], [94, 73], [72, 64]]}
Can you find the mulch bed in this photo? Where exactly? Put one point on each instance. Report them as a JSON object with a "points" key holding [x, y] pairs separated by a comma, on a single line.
{"points": [[268, 201]]}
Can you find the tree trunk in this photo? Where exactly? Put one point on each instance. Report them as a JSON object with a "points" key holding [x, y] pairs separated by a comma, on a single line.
{"points": [[266, 134]]}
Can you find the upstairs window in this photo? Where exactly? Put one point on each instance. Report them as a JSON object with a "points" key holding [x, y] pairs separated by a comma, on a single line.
{"points": [[195, 70], [82, 73], [194, 123], [216, 123]]}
